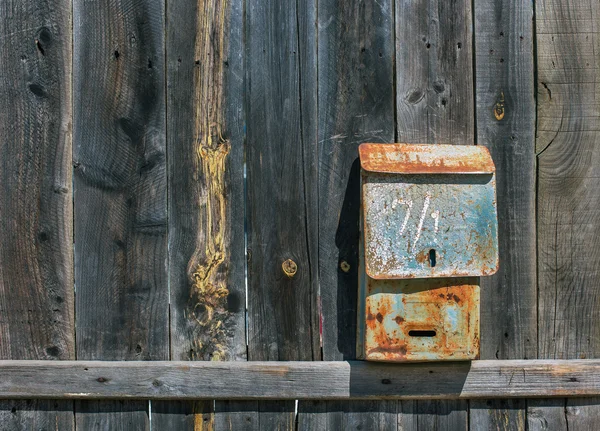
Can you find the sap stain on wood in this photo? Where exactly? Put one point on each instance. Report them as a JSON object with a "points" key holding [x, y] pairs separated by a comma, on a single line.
{"points": [[208, 307]]}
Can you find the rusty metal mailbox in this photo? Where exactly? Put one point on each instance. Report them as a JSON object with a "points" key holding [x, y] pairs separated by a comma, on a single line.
{"points": [[429, 230]]}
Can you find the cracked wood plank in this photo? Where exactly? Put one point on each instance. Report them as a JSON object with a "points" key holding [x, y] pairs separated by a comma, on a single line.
{"points": [[281, 150], [504, 95], [120, 193], [568, 198], [434, 104], [36, 218], [356, 104], [206, 195]]}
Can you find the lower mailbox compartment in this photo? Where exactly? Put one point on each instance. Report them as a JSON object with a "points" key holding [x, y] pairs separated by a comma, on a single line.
{"points": [[420, 319]]}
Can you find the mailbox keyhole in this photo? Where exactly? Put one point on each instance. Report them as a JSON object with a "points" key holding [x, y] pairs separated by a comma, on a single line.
{"points": [[421, 333], [432, 257]]}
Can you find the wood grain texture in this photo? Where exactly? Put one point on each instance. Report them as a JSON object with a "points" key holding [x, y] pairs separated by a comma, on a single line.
{"points": [[434, 104], [281, 195], [206, 179], [434, 72], [498, 415], [36, 217], [292, 380], [20, 415], [281, 217], [432, 415], [506, 125], [568, 227], [120, 192], [356, 104], [354, 415], [205, 140], [505, 104]]}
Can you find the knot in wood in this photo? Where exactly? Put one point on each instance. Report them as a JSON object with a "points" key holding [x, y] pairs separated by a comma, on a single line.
{"points": [[289, 268]]}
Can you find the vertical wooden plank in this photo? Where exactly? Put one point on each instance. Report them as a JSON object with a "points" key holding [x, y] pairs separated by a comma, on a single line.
{"points": [[568, 197], [434, 104], [36, 218], [433, 415], [355, 105], [506, 125], [283, 318], [205, 139], [120, 193], [505, 103], [434, 72], [498, 415], [354, 415]]}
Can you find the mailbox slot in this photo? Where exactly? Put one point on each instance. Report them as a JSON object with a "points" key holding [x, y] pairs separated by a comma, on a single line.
{"points": [[428, 232]]}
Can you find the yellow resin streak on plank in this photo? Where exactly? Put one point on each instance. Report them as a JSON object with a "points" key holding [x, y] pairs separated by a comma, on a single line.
{"points": [[208, 296]]}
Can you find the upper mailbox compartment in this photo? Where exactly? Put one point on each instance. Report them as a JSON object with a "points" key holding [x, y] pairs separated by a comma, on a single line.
{"points": [[428, 211]]}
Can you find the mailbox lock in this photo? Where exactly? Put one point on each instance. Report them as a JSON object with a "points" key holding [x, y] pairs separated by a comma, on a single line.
{"points": [[428, 232]]}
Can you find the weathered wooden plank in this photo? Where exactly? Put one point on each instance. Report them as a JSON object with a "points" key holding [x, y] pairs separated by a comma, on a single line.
{"points": [[498, 415], [18, 415], [206, 179], [504, 95], [328, 380], [561, 414], [36, 218], [206, 186], [506, 125], [281, 148], [118, 415], [236, 415], [183, 415], [434, 97], [343, 415], [567, 201], [434, 72], [356, 104], [281, 151], [432, 415], [120, 191]]}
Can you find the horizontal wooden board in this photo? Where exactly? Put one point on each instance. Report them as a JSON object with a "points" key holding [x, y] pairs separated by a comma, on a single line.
{"points": [[298, 380]]}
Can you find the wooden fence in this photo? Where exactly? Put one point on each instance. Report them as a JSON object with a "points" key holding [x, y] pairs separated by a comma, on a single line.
{"points": [[161, 160]]}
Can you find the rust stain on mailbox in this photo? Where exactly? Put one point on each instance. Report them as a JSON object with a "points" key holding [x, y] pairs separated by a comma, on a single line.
{"points": [[429, 230]]}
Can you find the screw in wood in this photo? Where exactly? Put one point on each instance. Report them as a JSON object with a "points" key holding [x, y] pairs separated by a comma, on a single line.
{"points": [[289, 268]]}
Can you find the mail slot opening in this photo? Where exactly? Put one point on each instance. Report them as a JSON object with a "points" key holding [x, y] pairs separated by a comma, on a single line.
{"points": [[432, 257], [421, 333]]}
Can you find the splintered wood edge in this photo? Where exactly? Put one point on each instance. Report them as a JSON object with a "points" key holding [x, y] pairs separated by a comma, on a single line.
{"points": [[180, 380]]}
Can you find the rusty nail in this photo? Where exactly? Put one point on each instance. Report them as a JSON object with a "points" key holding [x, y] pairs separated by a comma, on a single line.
{"points": [[345, 266], [289, 268]]}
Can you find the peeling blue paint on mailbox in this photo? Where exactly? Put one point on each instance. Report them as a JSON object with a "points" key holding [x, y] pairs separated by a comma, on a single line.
{"points": [[429, 230]]}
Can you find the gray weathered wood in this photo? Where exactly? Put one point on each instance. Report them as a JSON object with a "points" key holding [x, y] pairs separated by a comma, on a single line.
{"points": [[205, 143], [434, 415], [434, 100], [281, 150], [506, 125], [343, 415], [505, 105], [291, 380], [434, 72], [561, 414], [36, 217], [356, 104], [498, 415], [280, 154], [568, 198], [21, 415], [120, 192]]}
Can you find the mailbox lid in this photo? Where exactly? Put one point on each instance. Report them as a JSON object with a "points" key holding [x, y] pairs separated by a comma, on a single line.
{"points": [[426, 159], [428, 211]]}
